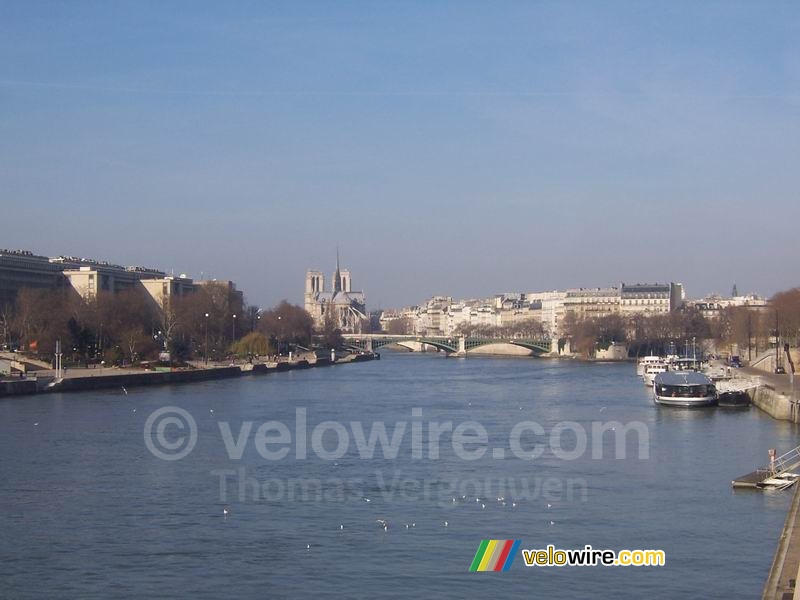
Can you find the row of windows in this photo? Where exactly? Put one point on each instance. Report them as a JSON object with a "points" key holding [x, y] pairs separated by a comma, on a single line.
{"points": [[657, 301]]}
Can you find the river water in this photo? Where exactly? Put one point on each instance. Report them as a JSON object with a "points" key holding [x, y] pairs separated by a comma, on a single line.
{"points": [[87, 510]]}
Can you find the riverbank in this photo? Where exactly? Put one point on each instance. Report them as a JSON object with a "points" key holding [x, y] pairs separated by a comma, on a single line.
{"points": [[775, 395], [785, 570], [93, 379]]}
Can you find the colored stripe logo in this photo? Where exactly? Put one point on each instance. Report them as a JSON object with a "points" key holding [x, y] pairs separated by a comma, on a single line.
{"points": [[495, 555]]}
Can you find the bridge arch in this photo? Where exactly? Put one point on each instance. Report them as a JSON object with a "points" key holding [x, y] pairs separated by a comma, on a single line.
{"points": [[450, 345]]}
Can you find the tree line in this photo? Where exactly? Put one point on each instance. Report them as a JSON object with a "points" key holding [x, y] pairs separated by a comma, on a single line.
{"points": [[128, 326], [752, 329]]}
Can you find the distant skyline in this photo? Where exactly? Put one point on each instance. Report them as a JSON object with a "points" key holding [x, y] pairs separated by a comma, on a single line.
{"points": [[458, 148]]}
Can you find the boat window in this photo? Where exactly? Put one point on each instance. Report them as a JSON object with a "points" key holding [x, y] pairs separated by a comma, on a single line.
{"points": [[684, 391]]}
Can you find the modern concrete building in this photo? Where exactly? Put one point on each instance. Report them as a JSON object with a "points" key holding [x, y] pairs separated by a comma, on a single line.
{"points": [[163, 289], [92, 278], [226, 284], [87, 278], [23, 269]]}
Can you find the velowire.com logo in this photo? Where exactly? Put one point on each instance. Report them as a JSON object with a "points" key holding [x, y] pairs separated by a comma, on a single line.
{"points": [[495, 555]]}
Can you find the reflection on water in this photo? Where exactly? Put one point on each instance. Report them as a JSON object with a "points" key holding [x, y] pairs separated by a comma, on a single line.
{"points": [[86, 511]]}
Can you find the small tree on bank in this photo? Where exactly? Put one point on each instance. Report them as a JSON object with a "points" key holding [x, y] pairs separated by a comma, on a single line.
{"points": [[253, 344], [331, 334]]}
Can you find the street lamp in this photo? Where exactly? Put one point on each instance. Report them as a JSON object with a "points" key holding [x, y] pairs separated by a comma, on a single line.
{"points": [[279, 335], [233, 328], [206, 354], [777, 342]]}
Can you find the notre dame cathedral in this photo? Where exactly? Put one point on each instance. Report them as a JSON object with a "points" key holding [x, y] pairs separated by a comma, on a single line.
{"points": [[349, 307]]}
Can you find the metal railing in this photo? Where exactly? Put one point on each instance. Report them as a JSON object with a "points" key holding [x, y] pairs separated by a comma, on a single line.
{"points": [[785, 462]]}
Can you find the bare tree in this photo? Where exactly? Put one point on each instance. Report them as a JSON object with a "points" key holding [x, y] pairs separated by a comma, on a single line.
{"points": [[6, 316], [787, 306], [287, 324], [40, 318]]}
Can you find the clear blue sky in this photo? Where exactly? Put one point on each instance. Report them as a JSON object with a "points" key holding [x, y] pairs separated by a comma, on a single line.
{"points": [[464, 148]]}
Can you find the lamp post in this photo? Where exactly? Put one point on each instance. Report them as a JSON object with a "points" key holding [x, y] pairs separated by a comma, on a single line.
{"points": [[777, 343], [279, 336], [233, 328], [206, 353]]}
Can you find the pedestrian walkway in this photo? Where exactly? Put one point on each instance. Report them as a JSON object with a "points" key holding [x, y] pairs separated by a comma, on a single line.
{"points": [[780, 383]]}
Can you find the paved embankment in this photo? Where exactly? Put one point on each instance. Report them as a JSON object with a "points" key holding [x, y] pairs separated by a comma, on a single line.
{"points": [[17, 387], [775, 395], [149, 378], [782, 581], [93, 379]]}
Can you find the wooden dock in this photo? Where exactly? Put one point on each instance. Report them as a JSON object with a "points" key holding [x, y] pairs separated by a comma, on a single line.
{"points": [[779, 466], [752, 480]]}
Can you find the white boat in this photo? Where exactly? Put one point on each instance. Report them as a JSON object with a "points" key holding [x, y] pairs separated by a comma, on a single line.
{"points": [[644, 362], [684, 388], [652, 370], [779, 482], [686, 364], [671, 359]]}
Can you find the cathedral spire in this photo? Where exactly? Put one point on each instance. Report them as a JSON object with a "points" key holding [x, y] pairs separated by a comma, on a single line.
{"points": [[337, 278]]}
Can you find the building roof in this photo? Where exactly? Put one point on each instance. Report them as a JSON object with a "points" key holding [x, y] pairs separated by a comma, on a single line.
{"points": [[341, 297], [645, 288], [682, 378]]}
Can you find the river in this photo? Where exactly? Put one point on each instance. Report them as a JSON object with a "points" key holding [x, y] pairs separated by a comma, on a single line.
{"points": [[87, 510]]}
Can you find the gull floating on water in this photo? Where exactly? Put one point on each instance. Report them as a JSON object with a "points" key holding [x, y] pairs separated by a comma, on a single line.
{"points": [[341, 526], [36, 424], [549, 505], [124, 391], [367, 500], [383, 523], [446, 523], [483, 506], [211, 410], [308, 546], [226, 510]]}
